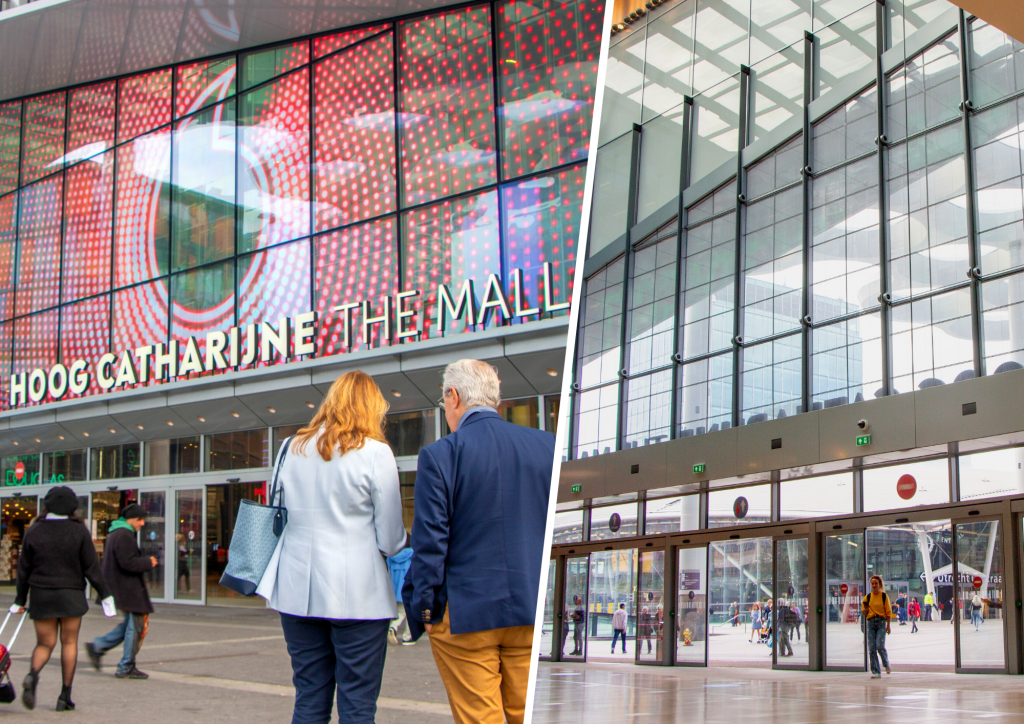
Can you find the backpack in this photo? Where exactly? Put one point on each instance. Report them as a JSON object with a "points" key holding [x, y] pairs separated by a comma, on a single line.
{"points": [[864, 602]]}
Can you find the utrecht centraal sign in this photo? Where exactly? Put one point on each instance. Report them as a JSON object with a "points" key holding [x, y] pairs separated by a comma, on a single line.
{"points": [[280, 340]]}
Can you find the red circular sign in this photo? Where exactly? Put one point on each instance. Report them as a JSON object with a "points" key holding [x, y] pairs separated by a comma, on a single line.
{"points": [[977, 581], [19, 471], [844, 589], [906, 487]]}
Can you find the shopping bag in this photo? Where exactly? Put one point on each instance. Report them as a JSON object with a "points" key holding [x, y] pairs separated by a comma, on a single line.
{"points": [[257, 529]]}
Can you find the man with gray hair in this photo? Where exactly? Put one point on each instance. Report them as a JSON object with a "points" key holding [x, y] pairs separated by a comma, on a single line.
{"points": [[478, 540]]}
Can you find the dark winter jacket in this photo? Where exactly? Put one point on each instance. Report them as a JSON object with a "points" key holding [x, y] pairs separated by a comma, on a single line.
{"points": [[58, 554], [123, 566]]}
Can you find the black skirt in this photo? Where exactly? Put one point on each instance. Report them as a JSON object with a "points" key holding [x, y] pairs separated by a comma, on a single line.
{"points": [[56, 603]]}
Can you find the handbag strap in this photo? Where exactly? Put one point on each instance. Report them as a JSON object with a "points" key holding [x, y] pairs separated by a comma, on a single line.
{"points": [[274, 488]]}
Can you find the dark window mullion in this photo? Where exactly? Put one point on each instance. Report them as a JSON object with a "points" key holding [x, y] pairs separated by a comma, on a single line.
{"points": [[741, 182], [634, 177], [677, 337]]}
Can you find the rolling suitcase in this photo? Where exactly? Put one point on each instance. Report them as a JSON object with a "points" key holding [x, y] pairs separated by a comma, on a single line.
{"points": [[7, 693]]}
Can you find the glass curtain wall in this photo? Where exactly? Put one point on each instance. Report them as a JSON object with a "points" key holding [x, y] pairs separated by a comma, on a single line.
{"points": [[165, 205], [871, 245]]}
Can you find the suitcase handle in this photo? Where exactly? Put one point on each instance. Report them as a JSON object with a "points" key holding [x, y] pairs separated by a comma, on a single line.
{"points": [[16, 630]]}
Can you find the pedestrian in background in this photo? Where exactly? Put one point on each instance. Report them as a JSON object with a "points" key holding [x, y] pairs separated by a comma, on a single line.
{"points": [[57, 558], [398, 566], [328, 577], [124, 566], [877, 613], [619, 627], [478, 535]]}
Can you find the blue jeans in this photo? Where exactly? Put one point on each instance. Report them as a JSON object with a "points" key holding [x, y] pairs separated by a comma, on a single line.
{"points": [[616, 632], [976, 617], [876, 643], [126, 631], [335, 655]]}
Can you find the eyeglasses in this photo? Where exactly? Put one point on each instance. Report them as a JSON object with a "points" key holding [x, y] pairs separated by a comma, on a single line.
{"points": [[440, 402]]}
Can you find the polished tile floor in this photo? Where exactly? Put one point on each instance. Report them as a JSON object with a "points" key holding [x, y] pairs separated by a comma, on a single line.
{"points": [[612, 692]]}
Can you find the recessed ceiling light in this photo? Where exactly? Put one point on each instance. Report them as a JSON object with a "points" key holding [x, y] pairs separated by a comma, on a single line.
{"points": [[201, 418], [111, 430], [85, 433], [37, 439], [235, 414], [60, 437], [140, 427], [310, 405], [271, 410], [170, 423], [396, 393], [15, 442], [552, 372]]}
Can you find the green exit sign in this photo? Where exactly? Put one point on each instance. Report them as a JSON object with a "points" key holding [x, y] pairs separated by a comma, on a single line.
{"points": [[697, 469], [577, 488], [864, 440]]}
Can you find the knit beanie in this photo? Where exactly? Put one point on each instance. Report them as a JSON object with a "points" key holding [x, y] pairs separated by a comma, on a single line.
{"points": [[133, 510], [61, 500]]}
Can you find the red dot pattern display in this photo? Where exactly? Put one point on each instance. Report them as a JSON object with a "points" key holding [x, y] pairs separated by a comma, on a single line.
{"points": [[201, 84], [10, 145], [355, 134], [37, 343], [8, 240], [144, 104], [326, 44], [447, 104], [541, 220], [142, 205], [139, 316], [448, 243], [202, 300], [88, 228], [90, 120], [273, 172], [273, 284], [39, 246], [43, 136], [353, 264], [85, 334], [548, 55]]}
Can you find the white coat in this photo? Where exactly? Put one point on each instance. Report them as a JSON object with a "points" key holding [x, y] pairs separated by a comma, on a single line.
{"points": [[344, 516]]}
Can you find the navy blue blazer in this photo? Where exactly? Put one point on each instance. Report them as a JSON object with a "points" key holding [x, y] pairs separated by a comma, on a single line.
{"points": [[478, 532]]}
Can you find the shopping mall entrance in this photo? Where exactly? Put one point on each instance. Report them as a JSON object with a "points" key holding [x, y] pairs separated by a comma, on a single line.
{"points": [[222, 503], [787, 595]]}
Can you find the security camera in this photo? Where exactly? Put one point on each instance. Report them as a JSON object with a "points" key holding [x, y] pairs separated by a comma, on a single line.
{"points": [[862, 424]]}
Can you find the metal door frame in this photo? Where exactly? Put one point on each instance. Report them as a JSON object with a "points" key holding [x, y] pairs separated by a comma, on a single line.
{"points": [[862, 583], [957, 615], [776, 539]]}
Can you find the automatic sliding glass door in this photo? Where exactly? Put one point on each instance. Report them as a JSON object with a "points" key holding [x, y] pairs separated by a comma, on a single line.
{"points": [[979, 596], [844, 591], [612, 587], [790, 614], [574, 618], [691, 607], [740, 602]]}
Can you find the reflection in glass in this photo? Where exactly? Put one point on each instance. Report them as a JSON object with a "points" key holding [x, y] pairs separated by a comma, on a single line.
{"points": [[691, 606], [613, 582], [661, 145], [997, 135], [568, 526], [846, 361], [979, 594], [920, 483], [739, 506], [597, 421], [844, 589], [574, 618], [668, 62], [608, 218], [777, 85], [990, 474], [650, 616], [172, 457], [844, 47], [997, 63], [705, 399], [931, 341], [790, 612], [624, 82], [771, 379], [828, 495], [600, 326], [716, 118], [613, 521], [548, 622], [151, 540], [925, 91], [670, 515], [740, 601]]}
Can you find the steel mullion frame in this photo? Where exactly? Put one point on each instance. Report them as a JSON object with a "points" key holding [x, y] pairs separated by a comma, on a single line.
{"points": [[884, 294], [806, 377], [634, 177], [499, 153], [738, 296], [677, 337], [973, 251]]}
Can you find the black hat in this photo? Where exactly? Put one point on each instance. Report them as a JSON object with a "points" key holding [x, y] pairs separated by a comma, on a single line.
{"points": [[133, 510], [61, 500]]}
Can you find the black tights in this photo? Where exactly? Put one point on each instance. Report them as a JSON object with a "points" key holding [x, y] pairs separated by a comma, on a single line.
{"points": [[46, 639]]}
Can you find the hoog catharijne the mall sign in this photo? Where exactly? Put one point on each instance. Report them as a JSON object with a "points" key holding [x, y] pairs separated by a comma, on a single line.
{"points": [[268, 341]]}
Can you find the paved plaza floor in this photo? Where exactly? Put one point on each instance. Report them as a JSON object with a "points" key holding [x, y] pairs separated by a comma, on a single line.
{"points": [[601, 693], [211, 664]]}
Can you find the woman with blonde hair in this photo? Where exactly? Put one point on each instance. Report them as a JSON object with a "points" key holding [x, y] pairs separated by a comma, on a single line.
{"points": [[328, 578]]}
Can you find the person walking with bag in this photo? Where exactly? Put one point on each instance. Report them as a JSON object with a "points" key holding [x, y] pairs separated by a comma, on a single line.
{"points": [[328, 577], [124, 567], [976, 607], [915, 614], [57, 558], [398, 566], [877, 613]]}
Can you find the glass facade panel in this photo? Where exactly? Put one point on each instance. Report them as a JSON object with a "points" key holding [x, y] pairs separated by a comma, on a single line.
{"points": [[600, 331], [568, 526], [16, 470], [926, 91], [771, 379], [624, 83], [409, 432], [991, 474], [1003, 323], [274, 284], [846, 361], [931, 341], [198, 85], [997, 63], [671, 515], [739, 506], [547, 59], [42, 145], [777, 83], [827, 496], [8, 253], [67, 466], [10, 145], [90, 120], [648, 417], [447, 95], [614, 521], [723, 30], [668, 62], [172, 457], [115, 461], [142, 203], [716, 122], [844, 47], [650, 320], [262, 65], [238, 450], [88, 228], [705, 398], [661, 151], [899, 486], [610, 206], [144, 103], [996, 136], [85, 334], [39, 249], [596, 421], [188, 539]]}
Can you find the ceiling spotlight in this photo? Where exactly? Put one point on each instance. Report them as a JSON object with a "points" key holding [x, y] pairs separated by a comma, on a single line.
{"points": [[85, 433], [235, 414], [396, 393], [170, 423], [140, 427], [60, 437], [37, 439], [201, 418], [271, 410], [111, 430], [552, 372], [15, 442], [310, 405]]}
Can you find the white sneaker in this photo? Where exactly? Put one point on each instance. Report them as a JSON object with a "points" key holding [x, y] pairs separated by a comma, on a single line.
{"points": [[392, 636], [887, 669], [408, 642], [876, 676]]}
